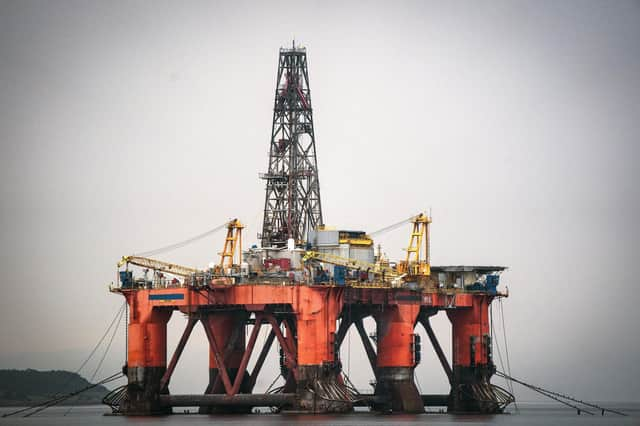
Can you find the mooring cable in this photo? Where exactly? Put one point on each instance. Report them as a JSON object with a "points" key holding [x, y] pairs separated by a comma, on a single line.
{"points": [[497, 344], [504, 335], [59, 395], [45, 404], [106, 351], [273, 383], [506, 350], [115, 329], [106, 332], [349, 384], [548, 395], [557, 396], [93, 351]]}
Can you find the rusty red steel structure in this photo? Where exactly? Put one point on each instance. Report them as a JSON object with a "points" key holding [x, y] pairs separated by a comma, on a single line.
{"points": [[308, 316], [309, 323]]}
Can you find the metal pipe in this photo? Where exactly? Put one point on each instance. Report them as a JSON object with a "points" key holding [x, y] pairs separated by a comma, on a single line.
{"points": [[429, 400], [241, 399]]}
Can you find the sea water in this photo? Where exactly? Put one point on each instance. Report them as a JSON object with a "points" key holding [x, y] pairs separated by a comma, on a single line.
{"points": [[527, 414]]}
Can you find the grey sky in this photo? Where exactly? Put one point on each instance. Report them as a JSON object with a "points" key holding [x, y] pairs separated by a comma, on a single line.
{"points": [[127, 126]]}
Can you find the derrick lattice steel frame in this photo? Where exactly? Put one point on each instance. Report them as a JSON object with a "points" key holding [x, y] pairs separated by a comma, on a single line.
{"points": [[292, 202]]}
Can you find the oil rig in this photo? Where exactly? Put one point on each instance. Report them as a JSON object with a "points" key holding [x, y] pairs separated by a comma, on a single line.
{"points": [[307, 284]]}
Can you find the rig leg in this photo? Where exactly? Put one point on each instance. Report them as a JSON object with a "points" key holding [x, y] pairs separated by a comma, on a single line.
{"points": [[396, 359], [146, 358], [226, 334], [319, 386], [471, 390]]}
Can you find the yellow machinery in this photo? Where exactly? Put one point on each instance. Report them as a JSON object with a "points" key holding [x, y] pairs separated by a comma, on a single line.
{"points": [[417, 261], [355, 238], [233, 240], [375, 268], [158, 265]]}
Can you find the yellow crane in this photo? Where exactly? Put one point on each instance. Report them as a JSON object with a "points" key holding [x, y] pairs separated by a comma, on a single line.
{"points": [[375, 268], [231, 242], [417, 261], [158, 265]]}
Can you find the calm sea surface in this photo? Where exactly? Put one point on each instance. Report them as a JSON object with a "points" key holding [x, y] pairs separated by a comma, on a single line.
{"points": [[529, 414]]}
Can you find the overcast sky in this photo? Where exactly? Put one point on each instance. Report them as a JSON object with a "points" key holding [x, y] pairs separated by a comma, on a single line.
{"points": [[129, 126]]}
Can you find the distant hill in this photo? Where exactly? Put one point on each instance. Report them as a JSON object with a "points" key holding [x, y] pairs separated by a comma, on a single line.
{"points": [[21, 387]]}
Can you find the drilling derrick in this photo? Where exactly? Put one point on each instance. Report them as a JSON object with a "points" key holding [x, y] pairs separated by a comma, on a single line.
{"points": [[307, 298], [292, 202]]}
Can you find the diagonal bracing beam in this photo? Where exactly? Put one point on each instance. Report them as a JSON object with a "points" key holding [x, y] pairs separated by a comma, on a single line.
{"points": [[345, 324], [222, 369], [231, 344], [290, 354], [260, 361], [247, 354], [368, 347], [424, 320], [166, 377], [290, 336]]}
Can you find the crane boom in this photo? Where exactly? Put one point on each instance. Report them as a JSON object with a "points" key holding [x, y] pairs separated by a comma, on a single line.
{"points": [[158, 265], [375, 268]]}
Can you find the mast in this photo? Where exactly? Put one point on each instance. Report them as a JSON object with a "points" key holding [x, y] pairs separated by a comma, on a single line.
{"points": [[292, 201]]}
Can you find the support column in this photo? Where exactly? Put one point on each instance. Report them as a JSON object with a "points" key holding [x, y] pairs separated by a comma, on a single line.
{"points": [[396, 359], [319, 386], [146, 356], [225, 332], [472, 363]]}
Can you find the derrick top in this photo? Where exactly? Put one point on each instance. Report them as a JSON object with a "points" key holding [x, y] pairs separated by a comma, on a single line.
{"points": [[293, 48]]}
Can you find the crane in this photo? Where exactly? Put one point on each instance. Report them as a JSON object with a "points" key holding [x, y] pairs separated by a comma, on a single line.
{"points": [[233, 240], [158, 265], [417, 261], [375, 268], [389, 228]]}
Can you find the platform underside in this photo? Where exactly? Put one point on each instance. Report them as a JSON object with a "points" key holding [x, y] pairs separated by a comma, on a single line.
{"points": [[308, 324]]}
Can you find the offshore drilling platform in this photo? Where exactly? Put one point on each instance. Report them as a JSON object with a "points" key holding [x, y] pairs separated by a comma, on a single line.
{"points": [[307, 284]]}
